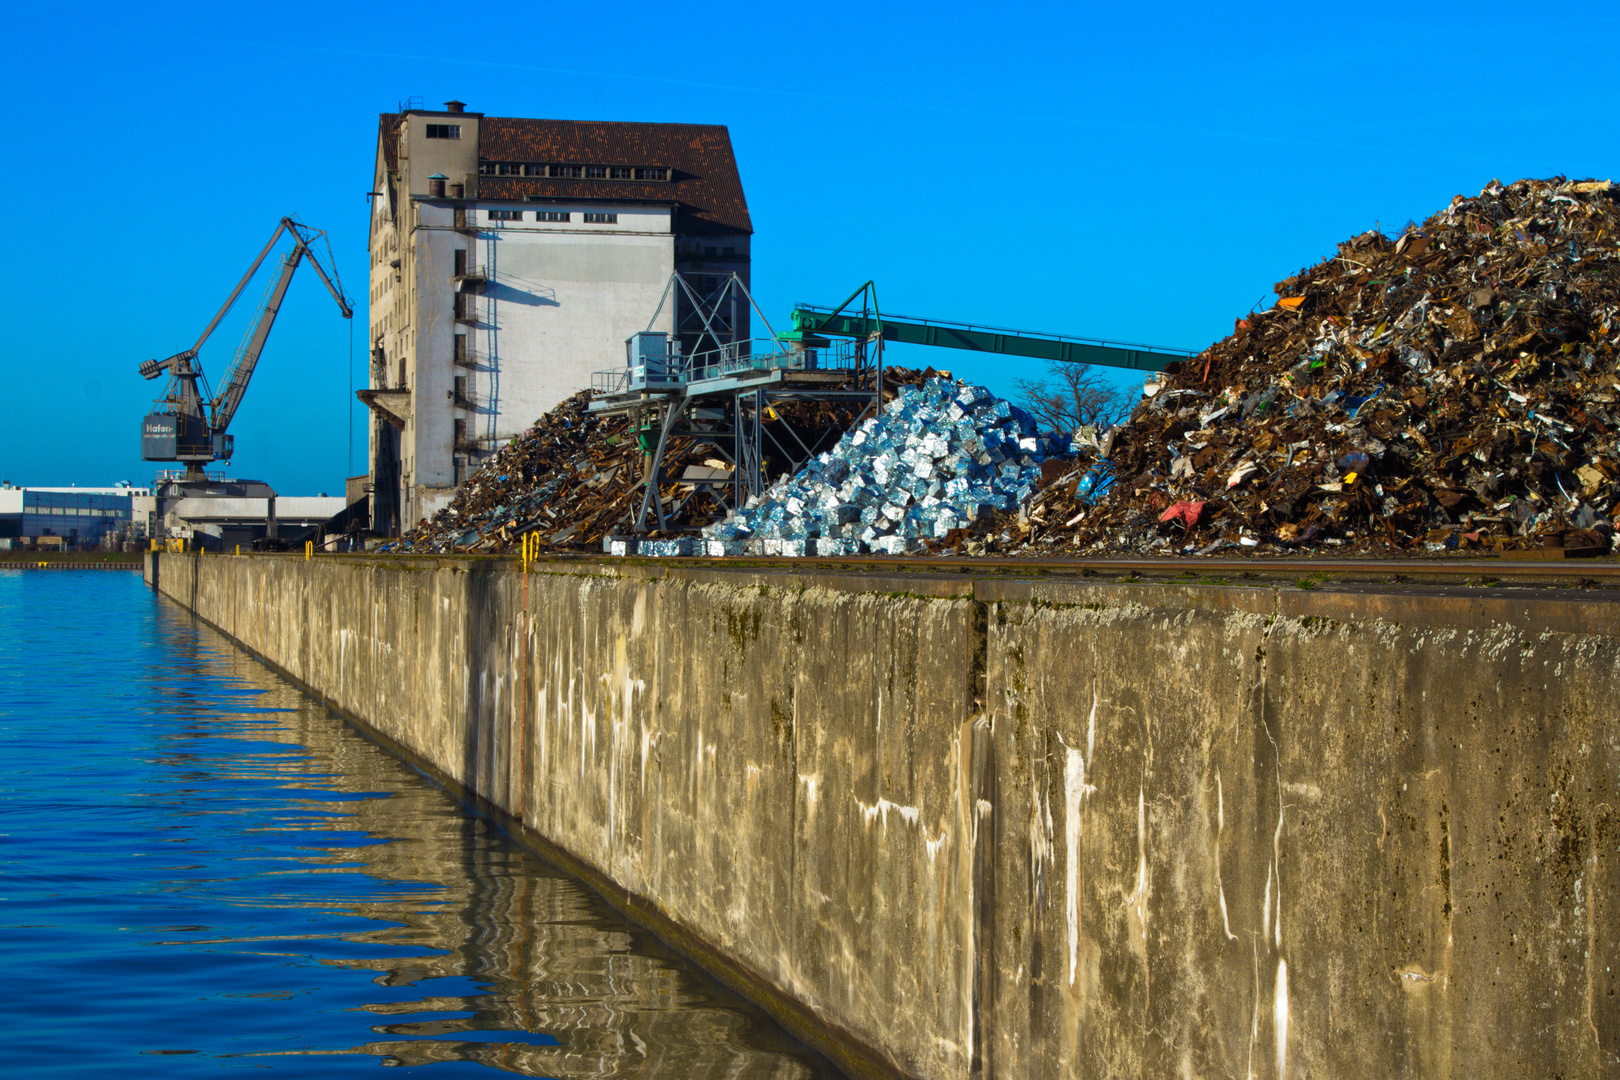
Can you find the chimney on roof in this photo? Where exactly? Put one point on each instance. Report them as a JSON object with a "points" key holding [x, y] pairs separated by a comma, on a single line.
{"points": [[456, 106], [436, 185], [456, 190]]}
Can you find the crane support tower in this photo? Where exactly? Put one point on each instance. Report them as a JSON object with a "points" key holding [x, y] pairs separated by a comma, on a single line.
{"points": [[187, 424]]}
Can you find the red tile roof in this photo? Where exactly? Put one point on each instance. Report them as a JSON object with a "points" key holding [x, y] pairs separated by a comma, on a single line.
{"points": [[704, 182]]}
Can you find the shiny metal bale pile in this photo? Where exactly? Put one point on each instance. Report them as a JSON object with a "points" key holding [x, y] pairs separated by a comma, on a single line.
{"points": [[1454, 387], [940, 458]]}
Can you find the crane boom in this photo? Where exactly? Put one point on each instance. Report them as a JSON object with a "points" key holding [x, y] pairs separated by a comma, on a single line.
{"points": [[188, 424], [230, 300], [247, 358]]}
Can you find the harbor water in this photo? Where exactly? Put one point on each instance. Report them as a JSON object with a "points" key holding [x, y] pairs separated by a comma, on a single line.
{"points": [[202, 869]]}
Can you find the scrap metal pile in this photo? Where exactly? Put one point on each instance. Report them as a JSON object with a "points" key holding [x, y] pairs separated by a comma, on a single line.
{"points": [[575, 478], [571, 476], [940, 459], [1455, 387]]}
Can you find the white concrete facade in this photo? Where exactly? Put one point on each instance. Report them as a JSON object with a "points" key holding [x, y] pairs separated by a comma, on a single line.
{"points": [[552, 306]]}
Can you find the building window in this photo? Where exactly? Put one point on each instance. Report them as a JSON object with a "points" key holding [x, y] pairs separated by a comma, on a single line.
{"points": [[601, 219], [509, 168], [506, 215], [486, 168], [567, 172], [595, 172], [444, 131], [553, 215], [652, 174], [728, 252], [534, 170], [620, 172]]}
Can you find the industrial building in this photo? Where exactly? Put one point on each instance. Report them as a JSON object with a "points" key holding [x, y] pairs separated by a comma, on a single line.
{"points": [[219, 514], [72, 517], [511, 258], [222, 513]]}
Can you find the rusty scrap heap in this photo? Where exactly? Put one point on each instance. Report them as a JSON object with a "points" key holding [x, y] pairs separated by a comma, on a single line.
{"points": [[1452, 388], [568, 476]]}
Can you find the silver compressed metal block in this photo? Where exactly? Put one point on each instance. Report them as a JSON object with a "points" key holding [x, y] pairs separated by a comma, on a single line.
{"points": [[936, 458]]}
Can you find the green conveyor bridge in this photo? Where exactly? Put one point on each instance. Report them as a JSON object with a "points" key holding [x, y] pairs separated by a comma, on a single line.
{"points": [[811, 321]]}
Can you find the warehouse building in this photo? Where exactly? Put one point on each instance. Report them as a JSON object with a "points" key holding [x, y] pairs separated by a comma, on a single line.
{"points": [[71, 517], [510, 260]]}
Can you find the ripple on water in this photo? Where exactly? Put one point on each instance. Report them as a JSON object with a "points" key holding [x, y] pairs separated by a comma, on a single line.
{"points": [[202, 869]]}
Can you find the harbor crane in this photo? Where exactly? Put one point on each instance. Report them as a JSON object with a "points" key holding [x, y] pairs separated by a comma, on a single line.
{"points": [[187, 424]]}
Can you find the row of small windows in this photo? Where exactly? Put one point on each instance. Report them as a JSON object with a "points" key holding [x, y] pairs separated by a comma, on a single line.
{"points": [[444, 131], [554, 215], [574, 172], [77, 511]]}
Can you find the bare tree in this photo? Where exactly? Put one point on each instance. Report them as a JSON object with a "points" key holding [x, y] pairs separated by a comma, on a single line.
{"points": [[1072, 396]]}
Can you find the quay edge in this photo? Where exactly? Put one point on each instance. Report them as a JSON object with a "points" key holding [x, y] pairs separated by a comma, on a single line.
{"points": [[959, 825]]}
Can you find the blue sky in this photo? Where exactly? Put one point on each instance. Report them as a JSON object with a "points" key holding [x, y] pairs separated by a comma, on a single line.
{"points": [[1134, 172]]}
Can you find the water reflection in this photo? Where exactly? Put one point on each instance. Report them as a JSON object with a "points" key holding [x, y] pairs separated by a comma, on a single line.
{"points": [[258, 885]]}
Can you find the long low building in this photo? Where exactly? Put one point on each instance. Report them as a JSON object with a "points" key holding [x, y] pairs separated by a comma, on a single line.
{"points": [[72, 516], [220, 516]]}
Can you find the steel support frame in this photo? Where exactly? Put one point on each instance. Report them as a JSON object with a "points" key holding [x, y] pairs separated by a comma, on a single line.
{"points": [[745, 406]]}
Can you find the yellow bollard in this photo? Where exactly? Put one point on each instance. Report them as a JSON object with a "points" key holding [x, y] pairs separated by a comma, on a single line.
{"points": [[239, 549], [309, 550]]}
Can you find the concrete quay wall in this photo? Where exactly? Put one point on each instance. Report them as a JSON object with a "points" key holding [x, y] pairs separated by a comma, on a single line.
{"points": [[956, 826]]}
